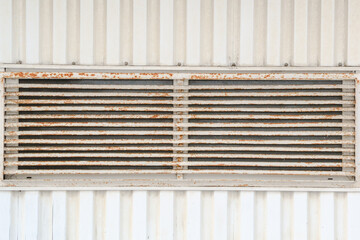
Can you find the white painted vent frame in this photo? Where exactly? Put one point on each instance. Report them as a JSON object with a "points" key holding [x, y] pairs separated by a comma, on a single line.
{"points": [[243, 179]]}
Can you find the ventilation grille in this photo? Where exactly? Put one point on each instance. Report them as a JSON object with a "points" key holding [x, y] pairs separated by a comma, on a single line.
{"points": [[180, 128]]}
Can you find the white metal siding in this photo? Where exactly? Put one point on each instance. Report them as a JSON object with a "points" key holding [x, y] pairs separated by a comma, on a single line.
{"points": [[168, 32], [179, 215]]}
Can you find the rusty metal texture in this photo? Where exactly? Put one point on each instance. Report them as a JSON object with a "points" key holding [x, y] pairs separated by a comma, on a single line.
{"points": [[126, 34], [120, 126]]}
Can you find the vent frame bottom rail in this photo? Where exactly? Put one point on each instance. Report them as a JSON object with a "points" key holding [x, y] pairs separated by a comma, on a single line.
{"points": [[179, 129]]}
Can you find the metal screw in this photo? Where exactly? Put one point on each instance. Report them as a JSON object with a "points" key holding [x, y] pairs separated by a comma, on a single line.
{"points": [[233, 64], [340, 64], [286, 64], [179, 64], [73, 63], [19, 62], [126, 63]]}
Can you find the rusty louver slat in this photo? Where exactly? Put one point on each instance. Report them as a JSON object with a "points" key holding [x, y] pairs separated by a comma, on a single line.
{"points": [[179, 126]]}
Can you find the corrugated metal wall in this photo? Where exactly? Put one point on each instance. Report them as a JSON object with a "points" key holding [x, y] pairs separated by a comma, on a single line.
{"points": [[193, 32], [179, 215]]}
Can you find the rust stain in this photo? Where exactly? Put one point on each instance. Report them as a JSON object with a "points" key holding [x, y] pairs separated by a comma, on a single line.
{"points": [[65, 75], [180, 160], [237, 76]]}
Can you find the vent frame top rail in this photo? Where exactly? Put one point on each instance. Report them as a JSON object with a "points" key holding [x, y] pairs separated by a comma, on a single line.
{"points": [[179, 129]]}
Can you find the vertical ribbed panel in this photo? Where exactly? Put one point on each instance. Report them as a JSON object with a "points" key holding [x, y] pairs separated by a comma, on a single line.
{"points": [[171, 32], [179, 215]]}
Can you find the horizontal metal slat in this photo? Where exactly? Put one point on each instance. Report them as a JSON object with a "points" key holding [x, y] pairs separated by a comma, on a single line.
{"points": [[202, 133], [205, 102], [242, 172], [196, 76], [170, 124], [194, 94], [170, 116], [179, 109], [170, 155], [188, 87], [181, 148], [162, 163], [171, 141]]}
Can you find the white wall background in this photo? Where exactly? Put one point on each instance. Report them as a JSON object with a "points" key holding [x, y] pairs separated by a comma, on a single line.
{"points": [[193, 33], [189, 215]]}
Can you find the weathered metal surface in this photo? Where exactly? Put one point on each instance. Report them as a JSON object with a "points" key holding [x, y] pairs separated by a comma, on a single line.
{"points": [[272, 33], [2, 127], [160, 94], [163, 148], [158, 163], [203, 87], [180, 171], [109, 124], [193, 76], [226, 133], [170, 141], [149, 155], [169, 116], [162, 102], [273, 119], [169, 109], [357, 122]]}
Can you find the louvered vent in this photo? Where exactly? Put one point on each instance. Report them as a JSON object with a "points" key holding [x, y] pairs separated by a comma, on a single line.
{"points": [[196, 128]]}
